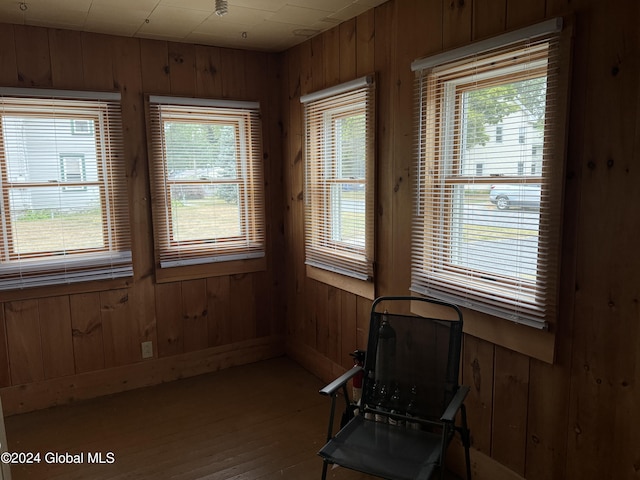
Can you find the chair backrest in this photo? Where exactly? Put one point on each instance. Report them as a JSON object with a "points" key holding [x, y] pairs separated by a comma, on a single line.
{"points": [[412, 362]]}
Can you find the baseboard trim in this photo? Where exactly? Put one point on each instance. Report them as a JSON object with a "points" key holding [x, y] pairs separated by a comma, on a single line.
{"points": [[64, 390]]}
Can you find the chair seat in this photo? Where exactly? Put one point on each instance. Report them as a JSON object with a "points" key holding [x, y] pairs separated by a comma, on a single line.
{"points": [[384, 450]]}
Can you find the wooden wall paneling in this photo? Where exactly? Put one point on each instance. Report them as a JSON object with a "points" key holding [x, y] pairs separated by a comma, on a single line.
{"points": [[128, 78], [510, 394], [56, 336], [331, 52], [294, 175], [363, 315], [421, 33], [456, 22], [232, 72], [348, 64], [32, 56], [23, 339], [242, 312], [96, 62], [66, 59], [520, 14], [365, 43], [169, 324], [384, 61], [606, 315], [195, 314], [182, 68], [86, 330], [489, 18], [320, 312], [315, 80], [263, 301], [5, 372], [154, 66], [208, 76], [348, 327], [119, 328], [309, 315], [219, 328], [477, 374], [334, 324], [8, 61]]}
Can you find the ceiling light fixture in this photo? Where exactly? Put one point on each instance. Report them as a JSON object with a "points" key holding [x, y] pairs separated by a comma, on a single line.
{"points": [[221, 7], [23, 6]]}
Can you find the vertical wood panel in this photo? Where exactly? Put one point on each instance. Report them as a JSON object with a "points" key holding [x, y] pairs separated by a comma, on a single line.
{"points": [[363, 314], [219, 327], [56, 336], [182, 63], [320, 312], [349, 327], [8, 61], [242, 312], [456, 24], [119, 328], [5, 373], [334, 324], [523, 13], [66, 59], [315, 71], [194, 315], [477, 373], [208, 65], [154, 66], [169, 319], [23, 338], [86, 325], [96, 62], [331, 56], [232, 73], [32, 56], [365, 43], [489, 17], [511, 391], [348, 67]]}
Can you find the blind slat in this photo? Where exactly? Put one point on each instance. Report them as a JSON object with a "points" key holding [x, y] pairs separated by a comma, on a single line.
{"points": [[487, 217], [339, 169], [64, 212]]}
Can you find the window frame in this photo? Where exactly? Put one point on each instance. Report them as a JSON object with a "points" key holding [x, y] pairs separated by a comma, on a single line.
{"points": [[537, 343], [212, 256], [31, 271], [329, 259]]}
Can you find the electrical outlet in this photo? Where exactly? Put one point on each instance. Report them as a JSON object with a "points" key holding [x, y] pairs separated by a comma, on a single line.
{"points": [[147, 349]]}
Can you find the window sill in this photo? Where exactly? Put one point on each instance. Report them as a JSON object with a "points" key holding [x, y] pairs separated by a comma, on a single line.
{"points": [[65, 289], [352, 285], [539, 344], [204, 270]]}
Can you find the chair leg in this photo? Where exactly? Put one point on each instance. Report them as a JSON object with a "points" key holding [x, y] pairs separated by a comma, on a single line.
{"points": [[324, 469], [466, 440]]}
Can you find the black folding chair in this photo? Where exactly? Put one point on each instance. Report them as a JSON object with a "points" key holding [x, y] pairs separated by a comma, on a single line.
{"points": [[406, 418]]}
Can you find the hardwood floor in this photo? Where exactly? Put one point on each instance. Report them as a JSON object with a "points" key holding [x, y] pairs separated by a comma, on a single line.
{"points": [[260, 421]]}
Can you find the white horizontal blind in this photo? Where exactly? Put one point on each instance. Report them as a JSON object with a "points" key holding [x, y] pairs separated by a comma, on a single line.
{"points": [[206, 167], [339, 172], [64, 215], [487, 220]]}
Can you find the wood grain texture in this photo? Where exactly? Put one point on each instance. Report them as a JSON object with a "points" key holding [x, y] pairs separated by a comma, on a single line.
{"points": [[32, 56], [8, 60], [170, 327], [86, 329], [195, 314], [66, 59], [5, 372], [56, 336], [182, 73], [23, 339]]}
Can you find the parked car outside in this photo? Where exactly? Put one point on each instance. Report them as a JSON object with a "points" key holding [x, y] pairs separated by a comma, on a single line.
{"points": [[515, 195]]}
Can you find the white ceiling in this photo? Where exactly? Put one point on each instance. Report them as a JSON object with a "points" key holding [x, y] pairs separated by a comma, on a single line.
{"points": [[264, 25]]}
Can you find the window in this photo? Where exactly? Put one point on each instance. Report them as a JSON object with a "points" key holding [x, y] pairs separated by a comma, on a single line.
{"points": [[206, 168], [63, 213], [489, 239], [339, 125], [499, 133]]}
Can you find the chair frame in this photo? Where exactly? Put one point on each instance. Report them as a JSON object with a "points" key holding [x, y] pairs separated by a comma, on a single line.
{"points": [[447, 420]]}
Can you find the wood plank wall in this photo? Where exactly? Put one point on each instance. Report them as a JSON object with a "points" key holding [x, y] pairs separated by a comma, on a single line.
{"points": [[576, 418], [62, 342]]}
